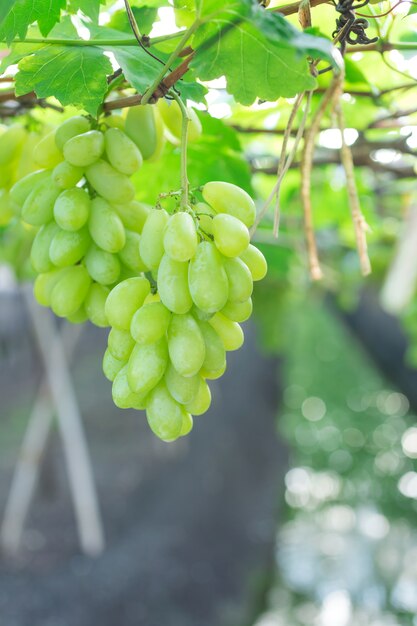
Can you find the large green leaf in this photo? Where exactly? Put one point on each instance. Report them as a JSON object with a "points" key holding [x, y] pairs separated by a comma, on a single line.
{"points": [[90, 8], [25, 12], [5, 8]]}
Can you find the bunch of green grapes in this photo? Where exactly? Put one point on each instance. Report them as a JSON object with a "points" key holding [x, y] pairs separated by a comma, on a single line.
{"points": [[88, 223], [171, 329]]}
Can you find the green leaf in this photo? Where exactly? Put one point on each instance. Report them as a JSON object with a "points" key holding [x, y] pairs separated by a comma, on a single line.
{"points": [[5, 8], [90, 8], [139, 68], [354, 73], [73, 75], [26, 12], [145, 18]]}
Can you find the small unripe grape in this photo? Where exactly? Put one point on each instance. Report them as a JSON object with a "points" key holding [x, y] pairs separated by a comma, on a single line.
{"points": [[240, 280], [67, 248], [124, 300], [23, 187], [70, 291], [94, 305], [122, 153], [109, 183], [111, 366], [238, 311], [72, 208], [230, 199], [230, 235], [152, 240], [205, 216], [215, 356], [173, 285], [120, 344], [123, 397], [150, 322], [180, 237], [133, 214], [38, 207], [65, 175], [147, 365], [76, 125], [130, 255], [46, 153], [106, 227], [85, 149], [207, 279], [186, 345], [202, 400], [39, 254], [44, 284], [102, 266], [182, 389], [229, 332], [187, 424], [255, 261], [165, 416]]}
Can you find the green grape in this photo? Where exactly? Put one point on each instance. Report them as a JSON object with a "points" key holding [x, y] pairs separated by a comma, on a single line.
{"points": [[173, 285], [230, 235], [207, 279], [141, 128], [147, 365], [65, 175], [85, 149], [94, 304], [133, 214], [111, 366], [214, 374], [44, 284], [23, 187], [230, 199], [238, 311], [172, 117], [45, 153], [180, 237], [187, 424], [109, 183], [120, 344], [240, 280], [38, 208], [115, 121], [165, 416], [102, 266], [205, 215], [215, 357], [67, 248], [186, 345], [130, 255], [255, 261], [124, 300], [72, 208], [123, 397], [106, 227], [76, 125], [6, 174], [11, 143], [201, 402], [122, 152], [39, 254], [200, 315], [229, 332], [150, 322], [152, 240], [70, 291], [79, 317], [182, 389]]}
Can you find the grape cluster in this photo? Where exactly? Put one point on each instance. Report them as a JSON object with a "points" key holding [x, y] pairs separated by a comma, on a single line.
{"points": [[171, 329], [88, 223]]}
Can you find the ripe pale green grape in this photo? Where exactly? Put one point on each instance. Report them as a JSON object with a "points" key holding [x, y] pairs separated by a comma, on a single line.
{"points": [[111, 365], [72, 208], [165, 416], [122, 152], [109, 183], [186, 345], [230, 199], [202, 400], [65, 175], [39, 254], [255, 261], [214, 374], [180, 237], [133, 214], [147, 365], [123, 397], [150, 322], [46, 153], [67, 248], [70, 291], [106, 227], [23, 187], [124, 300], [11, 143], [240, 280], [229, 332], [38, 207], [152, 240], [199, 314], [172, 117], [207, 279], [76, 125], [141, 127], [187, 424], [130, 255], [205, 216], [120, 344], [102, 266], [45, 283], [238, 311], [173, 285], [94, 304], [79, 317], [182, 389], [215, 357], [231, 236], [85, 149]]}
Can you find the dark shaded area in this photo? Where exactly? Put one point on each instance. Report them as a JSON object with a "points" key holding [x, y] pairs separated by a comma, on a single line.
{"points": [[190, 526]]}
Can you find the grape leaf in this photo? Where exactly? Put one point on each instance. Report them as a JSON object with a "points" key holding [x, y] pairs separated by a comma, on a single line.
{"points": [[90, 8], [73, 75], [5, 8], [25, 12], [145, 18]]}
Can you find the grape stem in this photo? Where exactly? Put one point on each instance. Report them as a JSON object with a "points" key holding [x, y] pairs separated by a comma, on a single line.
{"points": [[184, 140]]}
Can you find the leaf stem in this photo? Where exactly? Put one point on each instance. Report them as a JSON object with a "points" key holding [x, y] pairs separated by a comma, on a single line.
{"points": [[184, 143], [126, 41]]}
